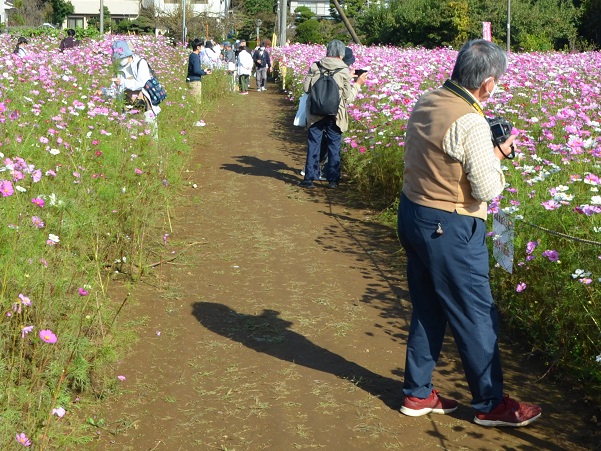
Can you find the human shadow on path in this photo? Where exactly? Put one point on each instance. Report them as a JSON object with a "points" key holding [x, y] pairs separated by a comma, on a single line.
{"points": [[249, 165], [270, 334]]}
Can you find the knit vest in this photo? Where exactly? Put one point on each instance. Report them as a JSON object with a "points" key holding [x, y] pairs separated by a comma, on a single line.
{"points": [[432, 178]]}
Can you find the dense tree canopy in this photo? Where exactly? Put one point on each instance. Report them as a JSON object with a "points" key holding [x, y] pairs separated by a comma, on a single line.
{"points": [[535, 24]]}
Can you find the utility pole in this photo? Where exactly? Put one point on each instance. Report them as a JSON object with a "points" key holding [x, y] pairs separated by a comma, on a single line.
{"points": [[183, 21], [348, 25], [283, 16], [101, 16], [508, 25], [259, 23]]}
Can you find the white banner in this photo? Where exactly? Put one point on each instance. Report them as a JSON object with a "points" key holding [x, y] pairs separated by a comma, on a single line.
{"points": [[503, 235]]}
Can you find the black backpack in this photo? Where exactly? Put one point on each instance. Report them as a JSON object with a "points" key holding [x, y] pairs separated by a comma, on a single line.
{"points": [[325, 93]]}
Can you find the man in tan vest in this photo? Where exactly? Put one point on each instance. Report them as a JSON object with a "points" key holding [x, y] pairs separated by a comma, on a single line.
{"points": [[451, 170]]}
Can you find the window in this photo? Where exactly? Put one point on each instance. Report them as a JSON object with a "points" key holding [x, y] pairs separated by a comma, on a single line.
{"points": [[75, 22]]}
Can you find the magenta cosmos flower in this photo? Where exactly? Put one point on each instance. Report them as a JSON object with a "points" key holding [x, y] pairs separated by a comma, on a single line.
{"points": [[6, 188], [22, 439], [48, 336]]}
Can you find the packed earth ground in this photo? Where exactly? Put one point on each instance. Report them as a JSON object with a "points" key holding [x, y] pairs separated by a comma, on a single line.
{"points": [[278, 319]]}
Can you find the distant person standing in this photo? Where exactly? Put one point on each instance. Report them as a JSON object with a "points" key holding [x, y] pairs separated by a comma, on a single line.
{"points": [[195, 70], [69, 42], [262, 65], [212, 59], [20, 49], [229, 58], [330, 127], [245, 65]]}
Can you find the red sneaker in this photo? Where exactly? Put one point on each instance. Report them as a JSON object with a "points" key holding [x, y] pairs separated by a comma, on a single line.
{"points": [[509, 413], [415, 407]]}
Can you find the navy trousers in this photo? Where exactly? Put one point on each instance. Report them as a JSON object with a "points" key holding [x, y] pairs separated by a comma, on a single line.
{"points": [[325, 129], [449, 284]]}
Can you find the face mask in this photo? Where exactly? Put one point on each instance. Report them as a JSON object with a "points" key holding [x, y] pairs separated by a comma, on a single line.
{"points": [[262, 48], [492, 93], [123, 62]]}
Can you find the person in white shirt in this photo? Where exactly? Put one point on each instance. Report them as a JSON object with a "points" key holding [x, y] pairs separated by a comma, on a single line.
{"points": [[245, 65], [20, 48]]}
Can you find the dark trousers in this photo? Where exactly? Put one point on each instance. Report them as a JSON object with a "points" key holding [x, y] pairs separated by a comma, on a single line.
{"points": [[325, 129], [449, 284]]}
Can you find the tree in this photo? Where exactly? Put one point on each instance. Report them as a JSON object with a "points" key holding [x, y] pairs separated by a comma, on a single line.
{"points": [[590, 22], [351, 8], [302, 14], [309, 32], [60, 10], [535, 24]]}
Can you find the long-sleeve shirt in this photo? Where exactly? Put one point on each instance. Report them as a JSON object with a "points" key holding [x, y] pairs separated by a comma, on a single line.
{"points": [[195, 71]]}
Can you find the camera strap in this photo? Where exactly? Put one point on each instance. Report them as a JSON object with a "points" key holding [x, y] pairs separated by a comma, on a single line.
{"points": [[461, 92]]}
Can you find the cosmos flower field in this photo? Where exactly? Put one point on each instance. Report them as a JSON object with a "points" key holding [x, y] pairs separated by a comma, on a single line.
{"points": [[552, 300], [82, 187]]}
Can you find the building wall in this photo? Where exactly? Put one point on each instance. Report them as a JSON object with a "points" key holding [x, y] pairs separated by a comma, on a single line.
{"points": [[320, 8]]}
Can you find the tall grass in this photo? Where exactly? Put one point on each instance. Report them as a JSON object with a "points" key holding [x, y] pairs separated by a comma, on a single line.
{"points": [[82, 184]]}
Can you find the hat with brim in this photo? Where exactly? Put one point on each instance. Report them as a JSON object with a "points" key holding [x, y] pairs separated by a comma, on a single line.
{"points": [[349, 58], [121, 49]]}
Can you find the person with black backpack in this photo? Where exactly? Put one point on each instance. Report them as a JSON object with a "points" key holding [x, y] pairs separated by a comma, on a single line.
{"points": [[329, 89]]}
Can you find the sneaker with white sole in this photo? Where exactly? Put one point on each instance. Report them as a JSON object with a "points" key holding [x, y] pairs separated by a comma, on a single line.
{"points": [[416, 407], [509, 413]]}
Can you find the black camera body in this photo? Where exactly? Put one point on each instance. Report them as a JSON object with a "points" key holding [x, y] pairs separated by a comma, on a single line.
{"points": [[501, 130]]}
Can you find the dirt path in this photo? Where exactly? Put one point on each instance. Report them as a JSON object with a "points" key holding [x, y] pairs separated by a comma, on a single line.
{"points": [[282, 325]]}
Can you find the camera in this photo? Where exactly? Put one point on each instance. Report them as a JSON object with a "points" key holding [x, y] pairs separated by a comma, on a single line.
{"points": [[501, 130]]}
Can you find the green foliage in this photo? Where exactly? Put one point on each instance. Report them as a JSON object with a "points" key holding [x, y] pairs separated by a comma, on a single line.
{"points": [[351, 8], [60, 10], [253, 7], [309, 32], [590, 22], [535, 24], [302, 14]]}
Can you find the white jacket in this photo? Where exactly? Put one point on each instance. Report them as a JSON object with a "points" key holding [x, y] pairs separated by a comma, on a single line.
{"points": [[245, 63], [135, 76]]}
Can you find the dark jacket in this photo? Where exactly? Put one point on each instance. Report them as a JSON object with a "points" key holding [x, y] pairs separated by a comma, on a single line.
{"points": [[195, 71], [68, 43], [261, 59]]}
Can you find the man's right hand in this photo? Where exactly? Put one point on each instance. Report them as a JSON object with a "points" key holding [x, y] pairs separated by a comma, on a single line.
{"points": [[361, 79]]}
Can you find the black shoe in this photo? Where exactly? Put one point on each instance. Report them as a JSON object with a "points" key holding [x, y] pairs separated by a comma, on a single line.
{"points": [[307, 184], [333, 185]]}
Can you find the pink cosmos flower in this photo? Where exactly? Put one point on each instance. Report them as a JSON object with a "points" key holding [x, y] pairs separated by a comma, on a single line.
{"points": [[139, 171], [25, 300], [22, 439], [586, 280], [520, 287], [48, 336], [552, 255], [121, 378], [82, 292], [59, 412], [38, 201], [6, 188], [37, 222], [531, 246], [36, 175], [25, 330]]}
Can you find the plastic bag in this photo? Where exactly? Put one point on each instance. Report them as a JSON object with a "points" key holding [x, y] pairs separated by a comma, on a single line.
{"points": [[300, 120]]}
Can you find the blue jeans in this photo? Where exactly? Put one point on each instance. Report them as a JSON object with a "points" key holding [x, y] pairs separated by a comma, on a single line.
{"points": [[324, 129], [448, 284]]}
